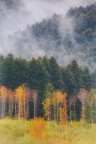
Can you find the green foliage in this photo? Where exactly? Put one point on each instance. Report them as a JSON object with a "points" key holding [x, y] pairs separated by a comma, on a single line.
{"points": [[12, 71], [73, 77], [38, 76], [49, 89], [56, 75], [45, 75], [6, 71], [91, 106], [87, 78], [88, 112]]}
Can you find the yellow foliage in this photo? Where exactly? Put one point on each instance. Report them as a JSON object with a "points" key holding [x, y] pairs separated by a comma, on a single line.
{"points": [[46, 106], [19, 93]]}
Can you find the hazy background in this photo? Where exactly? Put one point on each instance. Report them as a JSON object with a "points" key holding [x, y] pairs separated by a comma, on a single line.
{"points": [[15, 15]]}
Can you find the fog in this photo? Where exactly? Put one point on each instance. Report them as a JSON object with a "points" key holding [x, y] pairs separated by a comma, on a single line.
{"points": [[15, 15]]}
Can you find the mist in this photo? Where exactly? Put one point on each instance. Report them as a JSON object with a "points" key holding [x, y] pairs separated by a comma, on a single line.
{"points": [[16, 15]]}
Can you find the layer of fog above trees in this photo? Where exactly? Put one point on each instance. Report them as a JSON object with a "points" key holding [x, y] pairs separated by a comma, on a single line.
{"points": [[66, 37]]}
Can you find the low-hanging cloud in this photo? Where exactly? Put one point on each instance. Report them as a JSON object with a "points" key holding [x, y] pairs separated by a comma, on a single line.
{"points": [[15, 15]]}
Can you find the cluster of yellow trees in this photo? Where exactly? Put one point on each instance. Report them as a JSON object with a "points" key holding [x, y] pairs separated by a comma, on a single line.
{"points": [[55, 107], [16, 103]]}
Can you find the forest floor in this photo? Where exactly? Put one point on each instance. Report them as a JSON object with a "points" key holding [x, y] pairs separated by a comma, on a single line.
{"points": [[14, 132]]}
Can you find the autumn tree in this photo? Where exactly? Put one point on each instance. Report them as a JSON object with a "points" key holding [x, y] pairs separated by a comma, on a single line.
{"points": [[19, 94], [82, 96], [46, 106], [4, 98], [60, 106], [23, 96], [63, 109], [11, 103]]}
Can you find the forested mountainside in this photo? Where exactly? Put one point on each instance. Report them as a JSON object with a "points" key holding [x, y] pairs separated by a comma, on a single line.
{"points": [[66, 37]]}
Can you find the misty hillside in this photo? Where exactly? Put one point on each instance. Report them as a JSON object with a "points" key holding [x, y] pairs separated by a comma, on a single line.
{"points": [[66, 37]]}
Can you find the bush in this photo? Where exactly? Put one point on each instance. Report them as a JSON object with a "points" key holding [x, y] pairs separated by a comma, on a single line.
{"points": [[37, 128]]}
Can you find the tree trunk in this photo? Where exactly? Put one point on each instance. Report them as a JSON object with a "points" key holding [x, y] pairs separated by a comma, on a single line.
{"points": [[70, 112], [91, 116]]}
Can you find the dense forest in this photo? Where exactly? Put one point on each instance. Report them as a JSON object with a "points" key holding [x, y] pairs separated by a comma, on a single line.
{"points": [[41, 78]]}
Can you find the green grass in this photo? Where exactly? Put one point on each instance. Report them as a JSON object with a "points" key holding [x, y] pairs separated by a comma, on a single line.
{"points": [[14, 132]]}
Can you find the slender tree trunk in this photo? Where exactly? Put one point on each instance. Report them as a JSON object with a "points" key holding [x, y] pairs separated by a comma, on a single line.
{"points": [[34, 108], [10, 109], [12, 112], [74, 111], [57, 112], [54, 112], [27, 113], [48, 119], [70, 111], [83, 114], [3, 109], [91, 116], [19, 111], [0, 108], [24, 108], [15, 109]]}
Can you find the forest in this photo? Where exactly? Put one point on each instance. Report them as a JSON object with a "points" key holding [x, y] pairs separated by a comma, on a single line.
{"points": [[43, 102], [28, 89], [47, 72]]}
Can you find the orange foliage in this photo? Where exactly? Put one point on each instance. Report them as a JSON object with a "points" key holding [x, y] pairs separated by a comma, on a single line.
{"points": [[4, 93], [16, 102], [11, 96], [37, 128], [58, 97]]}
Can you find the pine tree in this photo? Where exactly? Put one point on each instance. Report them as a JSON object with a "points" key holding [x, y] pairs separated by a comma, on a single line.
{"points": [[56, 74], [6, 71]]}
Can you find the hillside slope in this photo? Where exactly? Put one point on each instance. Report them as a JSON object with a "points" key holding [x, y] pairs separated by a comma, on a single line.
{"points": [[66, 37]]}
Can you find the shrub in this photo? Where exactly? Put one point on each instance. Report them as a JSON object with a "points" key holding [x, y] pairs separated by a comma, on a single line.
{"points": [[37, 128]]}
